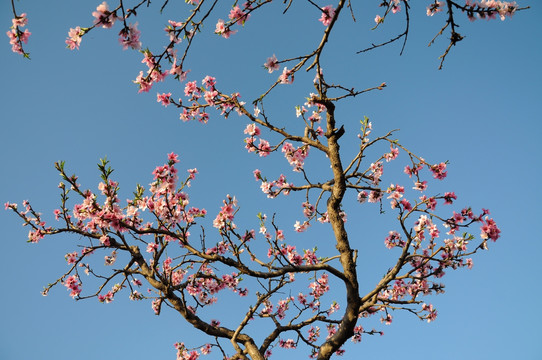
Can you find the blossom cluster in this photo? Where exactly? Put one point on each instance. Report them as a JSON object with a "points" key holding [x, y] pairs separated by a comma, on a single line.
{"points": [[212, 98], [16, 36], [273, 188], [489, 9], [236, 16], [154, 73], [328, 13]]}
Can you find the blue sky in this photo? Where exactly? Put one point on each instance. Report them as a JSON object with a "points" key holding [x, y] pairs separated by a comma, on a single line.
{"points": [[481, 113]]}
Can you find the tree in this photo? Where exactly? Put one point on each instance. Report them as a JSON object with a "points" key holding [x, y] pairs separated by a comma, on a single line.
{"points": [[187, 271]]}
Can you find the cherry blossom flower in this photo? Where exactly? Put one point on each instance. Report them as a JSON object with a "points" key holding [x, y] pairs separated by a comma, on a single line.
{"points": [[223, 30], [252, 130], [103, 16], [439, 171], [20, 20], [489, 229], [129, 37], [164, 99], [328, 14], [434, 8], [73, 284], [74, 38], [287, 76], [271, 64], [239, 16]]}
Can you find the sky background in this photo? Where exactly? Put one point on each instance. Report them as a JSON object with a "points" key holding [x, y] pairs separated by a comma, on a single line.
{"points": [[481, 112]]}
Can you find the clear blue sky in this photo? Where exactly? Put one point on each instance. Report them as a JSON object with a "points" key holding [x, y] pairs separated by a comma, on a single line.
{"points": [[482, 113]]}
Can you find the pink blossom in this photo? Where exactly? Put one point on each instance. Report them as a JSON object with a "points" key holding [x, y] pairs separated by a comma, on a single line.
{"points": [[71, 258], [301, 227], [252, 130], [110, 259], [222, 30], [173, 158], [164, 99], [287, 76], [392, 155], [73, 284], [406, 204], [74, 38], [314, 334], [296, 157], [205, 350], [362, 196], [432, 313], [358, 330], [257, 175], [287, 344], [489, 229], [387, 320], [449, 197], [439, 171], [152, 247], [104, 240], [379, 20], [129, 37], [264, 148], [271, 64], [375, 196], [328, 13], [420, 186], [237, 15], [224, 219], [144, 84], [16, 38], [209, 82], [192, 173], [178, 72], [434, 8], [20, 20], [191, 90], [210, 96], [103, 16], [393, 240]]}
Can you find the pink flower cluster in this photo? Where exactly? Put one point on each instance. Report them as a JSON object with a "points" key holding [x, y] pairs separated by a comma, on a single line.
{"points": [[393, 5], [287, 76], [73, 284], [489, 9], [295, 157], [434, 8], [236, 16], [197, 110], [74, 38], [328, 14], [287, 344], [263, 148], [173, 30], [205, 284], [184, 354], [271, 64], [104, 17], [129, 37], [16, 36], [153, 74], [224, 219], [275, 187], [166, 202], [393, 240]]}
